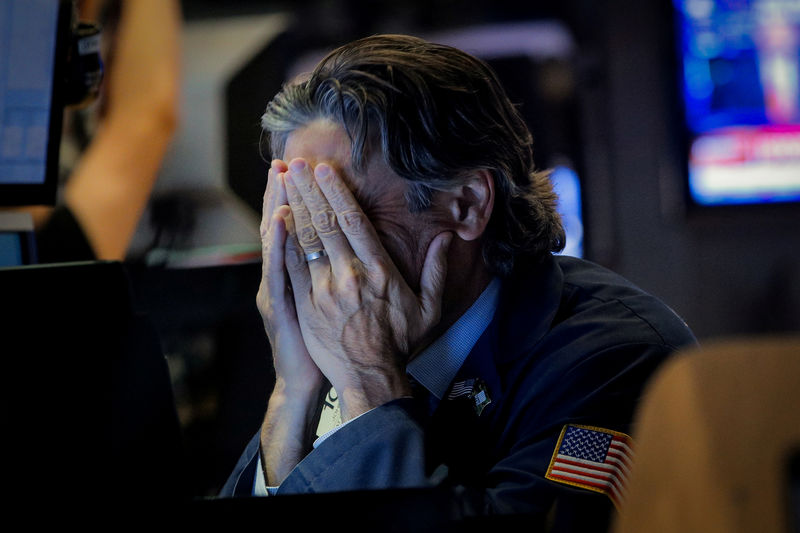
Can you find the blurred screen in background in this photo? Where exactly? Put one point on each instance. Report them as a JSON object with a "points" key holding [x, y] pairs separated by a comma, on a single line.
{"points": [[30, 115], [740, 81]]}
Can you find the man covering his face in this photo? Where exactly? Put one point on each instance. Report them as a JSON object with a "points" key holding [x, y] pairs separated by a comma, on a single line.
{"points": [[408, 259]]}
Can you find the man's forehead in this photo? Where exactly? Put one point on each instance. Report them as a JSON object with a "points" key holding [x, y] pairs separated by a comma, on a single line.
{"points": [[317, 142], [324, 141]]}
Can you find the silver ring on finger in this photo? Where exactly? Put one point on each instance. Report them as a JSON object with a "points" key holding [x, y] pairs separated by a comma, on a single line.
{"points": [[315, 255]]}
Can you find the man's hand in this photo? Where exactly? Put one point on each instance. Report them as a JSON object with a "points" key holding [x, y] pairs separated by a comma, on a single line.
{"points": [[359, 318], [293, 365], [288, 426]]}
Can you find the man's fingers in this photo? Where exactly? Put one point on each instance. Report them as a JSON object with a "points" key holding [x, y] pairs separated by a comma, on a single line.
{"points": [[323, 216], [355, 225], [274, 194], [304, 227], [294, 257], [273, 270], [266, 206], [279, 192], [434, 272]]}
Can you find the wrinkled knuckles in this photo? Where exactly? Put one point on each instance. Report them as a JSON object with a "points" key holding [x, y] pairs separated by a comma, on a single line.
{"points": [[308, 187], [293, 194], [267, 236], [325, 222], [337, 194], [353, 222], [307, 236]]}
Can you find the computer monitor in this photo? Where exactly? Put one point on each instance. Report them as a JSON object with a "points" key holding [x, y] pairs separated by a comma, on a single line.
{"points": [[739, 72], [34, 38]]}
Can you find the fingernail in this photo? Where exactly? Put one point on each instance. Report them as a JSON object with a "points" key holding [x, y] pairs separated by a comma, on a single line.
{"points": [[322, 171], [298, 165]]}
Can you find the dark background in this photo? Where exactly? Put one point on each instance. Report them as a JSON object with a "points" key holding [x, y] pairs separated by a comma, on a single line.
{"points": [[726, 271]]}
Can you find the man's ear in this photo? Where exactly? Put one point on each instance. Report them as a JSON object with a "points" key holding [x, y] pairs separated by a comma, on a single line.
{"points": [[470, 204]]}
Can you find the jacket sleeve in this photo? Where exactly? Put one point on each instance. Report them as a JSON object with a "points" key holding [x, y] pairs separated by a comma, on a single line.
{"points": [[384, 448], [240, 482]]}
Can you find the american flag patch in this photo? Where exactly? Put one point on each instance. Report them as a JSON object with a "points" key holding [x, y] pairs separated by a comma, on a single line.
{"points": [[592, 458]]}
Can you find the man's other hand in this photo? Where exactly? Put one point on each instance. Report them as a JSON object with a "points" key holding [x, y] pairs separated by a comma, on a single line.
{"points": [[293, 365], [289, 424]]}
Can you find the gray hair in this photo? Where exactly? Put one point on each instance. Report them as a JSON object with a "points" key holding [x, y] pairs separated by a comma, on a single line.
{"points": [[435, 114]]}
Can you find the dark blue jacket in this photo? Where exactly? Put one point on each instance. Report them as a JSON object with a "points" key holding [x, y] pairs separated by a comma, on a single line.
{"points": [[570, 343]]}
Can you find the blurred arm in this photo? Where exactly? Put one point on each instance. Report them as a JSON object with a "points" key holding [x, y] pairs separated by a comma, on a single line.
{"points": [[111, 184]]}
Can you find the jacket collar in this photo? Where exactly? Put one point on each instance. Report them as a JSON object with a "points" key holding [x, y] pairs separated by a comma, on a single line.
{"points": [[529, 302]]}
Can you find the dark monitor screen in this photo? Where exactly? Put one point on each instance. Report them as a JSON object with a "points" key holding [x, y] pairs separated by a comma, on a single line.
{"points": [[739, 71], [34, 35]]}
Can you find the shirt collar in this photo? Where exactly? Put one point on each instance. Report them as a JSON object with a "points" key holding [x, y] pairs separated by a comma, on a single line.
{"points": [[436, 366]]}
